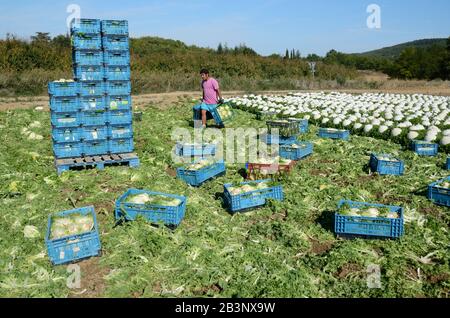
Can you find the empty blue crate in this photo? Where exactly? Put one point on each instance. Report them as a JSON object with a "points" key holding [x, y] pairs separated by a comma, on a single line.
{"points": [[94, 118], [447, 164], [66, 249], [334, 133], [64, 104], [115, 27], [120, 131], [97, 147], [155, 207], [86, 41], [117, 73], [296, 151], [88, 89], [117, 58], [195, 150], [118, 102], [89, 26], [89, 73], [119, 117], [65, 119], [92, 103], [386, 164], [439, 192], [251, 194], [303, 124], [274, 139], [88, 58], [123, 145], [94, 133], [63, 89], [424, 148], [195, 177], [118, 87], [115, 43], [69, 134], [370, 223], [67, 149]]}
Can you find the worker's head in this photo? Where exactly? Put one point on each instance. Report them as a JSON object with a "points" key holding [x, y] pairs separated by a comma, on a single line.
{"points": [[204, 74]]}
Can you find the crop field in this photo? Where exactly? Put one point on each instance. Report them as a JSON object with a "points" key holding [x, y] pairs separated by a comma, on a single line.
{"points": [[284, 249]]}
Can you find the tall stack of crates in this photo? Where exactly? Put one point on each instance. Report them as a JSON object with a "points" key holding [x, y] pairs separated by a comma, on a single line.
{"points": [[91, 115], [116, 52]]}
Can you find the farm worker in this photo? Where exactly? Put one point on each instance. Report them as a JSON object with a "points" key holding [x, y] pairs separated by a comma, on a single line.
{"points": [[211, 95]]}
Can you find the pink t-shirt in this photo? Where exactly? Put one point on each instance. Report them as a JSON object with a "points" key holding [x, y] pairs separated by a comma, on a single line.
{"points": [[210, 88]]}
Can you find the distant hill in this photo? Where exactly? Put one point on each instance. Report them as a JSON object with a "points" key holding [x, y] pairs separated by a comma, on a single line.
{"points": [[393, 52]]}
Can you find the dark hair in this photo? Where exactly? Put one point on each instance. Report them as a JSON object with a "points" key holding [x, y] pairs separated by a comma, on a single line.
{"points": [[204, 71]]}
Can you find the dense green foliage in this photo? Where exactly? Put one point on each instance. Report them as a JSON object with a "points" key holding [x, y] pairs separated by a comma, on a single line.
{"points": [[428, 60], [157, 65]]}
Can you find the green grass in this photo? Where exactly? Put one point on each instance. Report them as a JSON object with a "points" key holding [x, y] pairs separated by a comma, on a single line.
{"points": [[285, 249]]}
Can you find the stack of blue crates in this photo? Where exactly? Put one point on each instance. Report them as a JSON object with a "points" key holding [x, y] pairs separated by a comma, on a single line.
{"points": [[116, 50], [92, 115]]}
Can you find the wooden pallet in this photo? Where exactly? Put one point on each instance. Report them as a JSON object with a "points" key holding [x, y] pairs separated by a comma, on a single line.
{"points": [[99, 162]]}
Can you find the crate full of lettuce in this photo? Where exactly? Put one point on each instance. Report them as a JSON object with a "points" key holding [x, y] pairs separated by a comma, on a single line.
{"points": [[246, 195], [368, 219], [72, 235], [201, 171], [155, 207], [439, 192]]}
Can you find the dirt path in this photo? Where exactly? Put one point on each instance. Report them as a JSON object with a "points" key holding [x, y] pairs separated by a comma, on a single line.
{"points": [[166, 99]]}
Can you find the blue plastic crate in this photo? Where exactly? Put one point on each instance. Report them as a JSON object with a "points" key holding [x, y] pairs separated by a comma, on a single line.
{"points": [[447, 164], [94, 103], [300, 151], [65, 119], [97, 147], [88, 58], [385, 167], [63, 89], [439, 195], [334, 133], [251, 199], [273, 139], [94, 133], [67, 149], [115, 27], [117, 73], [115, 43], [123, 145], [303, 124], [88, 89], [89, 26], [64, 104], [94, 118], [89, 73], [69, 134], [169, 215], [118, 87], [423, 148], [89, 42], [119, 117], [75, 247], [197, 177], [286, 128], [118, 102], [120, 131], [195, 150], [117, 58], [368, 226]]}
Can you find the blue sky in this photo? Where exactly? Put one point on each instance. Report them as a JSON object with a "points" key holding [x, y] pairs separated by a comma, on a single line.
{"points": [[268, 26]]}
